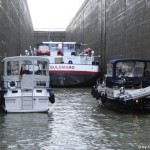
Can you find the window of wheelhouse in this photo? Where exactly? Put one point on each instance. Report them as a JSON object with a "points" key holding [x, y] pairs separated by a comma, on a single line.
{"points": [[40, 67], [26, 67], [68, 47], [54, 47], [12, 67]]}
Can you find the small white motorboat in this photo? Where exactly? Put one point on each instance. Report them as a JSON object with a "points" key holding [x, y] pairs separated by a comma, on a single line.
{"points": [[25, 85]]}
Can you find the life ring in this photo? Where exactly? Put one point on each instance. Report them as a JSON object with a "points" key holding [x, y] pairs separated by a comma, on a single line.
{"points": [[93, 92], [70, 62], [98, 95], [12, 84]]}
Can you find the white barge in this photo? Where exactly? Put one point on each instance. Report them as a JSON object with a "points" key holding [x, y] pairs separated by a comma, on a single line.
{"points": [[68, 65]]}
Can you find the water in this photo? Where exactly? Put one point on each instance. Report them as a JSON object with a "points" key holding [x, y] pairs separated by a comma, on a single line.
{"points": [[75, 122]]}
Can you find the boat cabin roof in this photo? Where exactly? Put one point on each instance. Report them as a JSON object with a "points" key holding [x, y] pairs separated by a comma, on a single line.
{"points": [[59, 42], [115, 61], [25, 58]]}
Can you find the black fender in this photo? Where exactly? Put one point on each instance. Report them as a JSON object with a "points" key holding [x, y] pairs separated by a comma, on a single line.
{"points": [[98, 95], [52, 98], [92, 91], [103, 98]]}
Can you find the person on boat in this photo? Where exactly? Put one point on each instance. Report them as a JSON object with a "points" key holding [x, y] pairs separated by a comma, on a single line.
{"points": [[120, 72]]}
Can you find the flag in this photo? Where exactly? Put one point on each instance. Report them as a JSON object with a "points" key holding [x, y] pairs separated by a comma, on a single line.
{"points": [[21, 73]]}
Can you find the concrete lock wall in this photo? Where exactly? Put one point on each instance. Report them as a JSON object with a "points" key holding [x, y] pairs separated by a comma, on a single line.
{"points": [[113, 28], [16, 29]]}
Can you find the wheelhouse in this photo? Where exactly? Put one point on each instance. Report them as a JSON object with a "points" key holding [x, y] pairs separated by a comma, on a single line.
{"points": [[61, 48], [18, 70]]}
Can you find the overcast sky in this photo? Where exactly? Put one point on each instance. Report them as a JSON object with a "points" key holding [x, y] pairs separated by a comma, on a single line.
{"points": [[53, 13]]}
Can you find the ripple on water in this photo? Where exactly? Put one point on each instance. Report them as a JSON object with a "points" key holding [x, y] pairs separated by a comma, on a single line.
{"points": [[75, 121]]}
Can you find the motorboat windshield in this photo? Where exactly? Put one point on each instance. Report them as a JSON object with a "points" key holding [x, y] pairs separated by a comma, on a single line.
{"points": [[130, 69], [28, 67], [37, 68]]}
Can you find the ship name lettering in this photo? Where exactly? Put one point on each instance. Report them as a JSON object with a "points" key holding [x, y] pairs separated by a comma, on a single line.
{"points": [[62, 67]]}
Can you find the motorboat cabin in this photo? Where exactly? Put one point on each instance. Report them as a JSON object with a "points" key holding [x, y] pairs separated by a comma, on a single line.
{"points": [[132, 72]]}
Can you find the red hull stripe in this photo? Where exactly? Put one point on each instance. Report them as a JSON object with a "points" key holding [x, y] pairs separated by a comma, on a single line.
{"points": [[73, 72]]}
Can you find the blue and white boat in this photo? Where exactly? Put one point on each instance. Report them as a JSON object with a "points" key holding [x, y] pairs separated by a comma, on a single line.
{"points": [[126, 86]]}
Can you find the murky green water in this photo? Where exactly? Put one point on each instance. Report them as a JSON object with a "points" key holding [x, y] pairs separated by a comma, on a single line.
{"points": [[75, 122]]}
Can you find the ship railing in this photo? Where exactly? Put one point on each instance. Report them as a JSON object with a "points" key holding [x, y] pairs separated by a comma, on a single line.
{"points": [[80, 59]]}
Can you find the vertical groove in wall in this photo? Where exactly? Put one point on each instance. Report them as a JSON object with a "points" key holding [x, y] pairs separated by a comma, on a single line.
{"points": [[103, 32]]}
